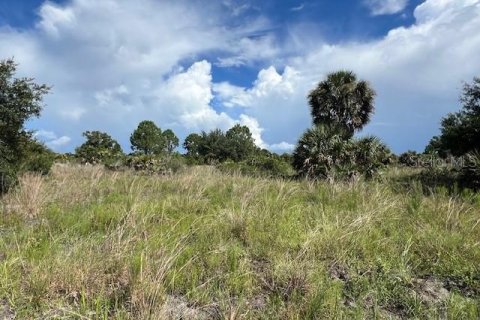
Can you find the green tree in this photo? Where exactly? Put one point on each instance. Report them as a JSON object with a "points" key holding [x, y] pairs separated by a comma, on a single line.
{"points": [[99, 148], [20, 100], [342, 101], [323, 152], [240, 143], [171, 140], [460, 131], [217, 146], [148, 138], [192, 145], [214, 146], [371, 154], [340, 106]]}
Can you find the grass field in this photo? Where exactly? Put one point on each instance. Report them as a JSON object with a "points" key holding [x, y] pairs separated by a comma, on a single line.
{"points": [[86, 243]]}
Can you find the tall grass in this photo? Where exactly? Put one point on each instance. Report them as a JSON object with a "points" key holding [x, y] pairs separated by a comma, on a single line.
{"points": [[86, 243]]}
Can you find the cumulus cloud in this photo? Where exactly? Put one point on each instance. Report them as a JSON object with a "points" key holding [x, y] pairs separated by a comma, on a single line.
{"points": [[114, 63], [383, 7], [51, 139], [417, 72], [282, 147], [275, 100]]}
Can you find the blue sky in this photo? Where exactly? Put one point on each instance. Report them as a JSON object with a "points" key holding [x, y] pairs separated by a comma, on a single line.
{"points": [[197, 65]]}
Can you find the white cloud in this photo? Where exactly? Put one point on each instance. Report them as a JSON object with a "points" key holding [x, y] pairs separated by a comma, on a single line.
{"points": [[282, 147], [189, 94], [114, 63], [255, 129], [383, 7], [45, 134], [268, 82], [250, 49], [275, 100], [54, 17], [51, 139], [60, 142], [417, 72], [298, 8]]}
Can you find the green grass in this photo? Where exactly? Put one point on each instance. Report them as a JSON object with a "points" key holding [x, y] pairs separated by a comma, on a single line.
{"points": [[85, 243]]}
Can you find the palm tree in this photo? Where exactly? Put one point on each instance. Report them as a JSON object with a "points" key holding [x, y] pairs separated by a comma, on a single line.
{"points": [[343, 101], [322, 152]]}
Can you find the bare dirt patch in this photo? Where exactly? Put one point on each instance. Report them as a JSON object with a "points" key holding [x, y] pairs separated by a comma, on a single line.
{"points": [[177, 308], [6, 312], [430, 291]]}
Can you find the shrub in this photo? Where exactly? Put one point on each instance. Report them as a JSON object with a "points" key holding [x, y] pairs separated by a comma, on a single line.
{"points": [[323, 152], [216, 146], [469, 176], [265, 166], [8, 176], [409, 158], [38, 158], [156, 164], [370, 155]]}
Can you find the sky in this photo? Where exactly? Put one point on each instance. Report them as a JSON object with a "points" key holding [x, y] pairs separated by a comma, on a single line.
{"points": [[192, 65]]}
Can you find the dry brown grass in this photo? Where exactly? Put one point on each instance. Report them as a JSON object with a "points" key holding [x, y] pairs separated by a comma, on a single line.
{"points": [[29, 197]]}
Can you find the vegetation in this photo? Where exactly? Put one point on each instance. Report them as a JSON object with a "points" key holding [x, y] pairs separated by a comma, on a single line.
{"points": [[148, 138], [340, 106], [216, 146], [20, 100], [171, 140], [231, 231], [460, 131], [84, 242], [99, 148], [343, 102]]}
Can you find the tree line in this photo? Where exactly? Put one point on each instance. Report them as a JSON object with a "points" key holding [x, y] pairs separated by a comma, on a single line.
{"points": [[340, 106]]}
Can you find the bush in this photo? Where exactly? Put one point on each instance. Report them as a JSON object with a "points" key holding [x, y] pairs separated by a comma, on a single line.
{"points": [[409, 158], [38, 158], [33, 157], [156, 164], [8, 177], [99, 148], [370, 156], [469, 176], [324, 153], [265, 166]]}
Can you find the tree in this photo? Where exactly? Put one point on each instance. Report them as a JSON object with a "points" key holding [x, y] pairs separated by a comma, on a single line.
{"points": [[99, 148], [342, 101], [460, 131], [20, 100], [240, 143], [148, 138], [370, 155], [171, 140], [192, 145], [214, 146], [322, 152], [340, 106]]}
